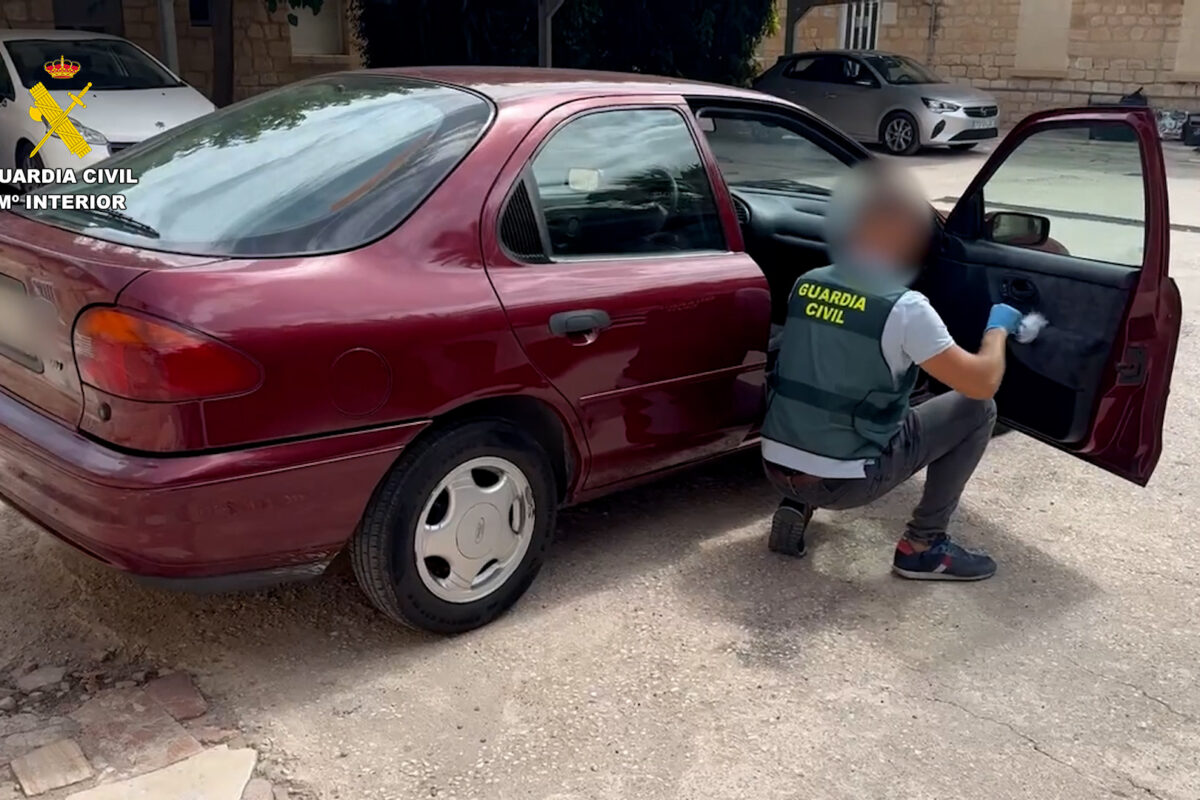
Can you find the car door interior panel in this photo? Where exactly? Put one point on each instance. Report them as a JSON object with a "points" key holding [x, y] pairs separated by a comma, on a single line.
{"points": [[1051, 384]]}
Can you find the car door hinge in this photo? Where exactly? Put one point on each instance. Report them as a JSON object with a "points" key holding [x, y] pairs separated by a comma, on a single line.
{"points": [[1133, 369]]}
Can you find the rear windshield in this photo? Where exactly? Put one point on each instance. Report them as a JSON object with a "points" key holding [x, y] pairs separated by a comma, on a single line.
{"points": [[108, 64], [319, 166]]}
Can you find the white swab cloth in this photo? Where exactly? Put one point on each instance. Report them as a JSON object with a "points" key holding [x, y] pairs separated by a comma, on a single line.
{"points": [[1031, 326]]}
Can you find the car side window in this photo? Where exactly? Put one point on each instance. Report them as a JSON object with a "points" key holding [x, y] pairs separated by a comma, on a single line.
{"points": [[7, 90], [1076, 190], [797, 69], [761, 150], [625, 183], [855, 73], [826, 69]]}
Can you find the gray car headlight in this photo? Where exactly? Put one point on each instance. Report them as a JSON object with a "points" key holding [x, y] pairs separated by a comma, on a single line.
{"points": [[940, 106], [90, 135]]}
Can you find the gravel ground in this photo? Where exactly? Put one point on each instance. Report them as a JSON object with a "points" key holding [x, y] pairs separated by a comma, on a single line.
{"points": [[664, 653]]}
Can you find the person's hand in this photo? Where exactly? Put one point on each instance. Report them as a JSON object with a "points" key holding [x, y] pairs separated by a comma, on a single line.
{"points": [[1005, 317]]}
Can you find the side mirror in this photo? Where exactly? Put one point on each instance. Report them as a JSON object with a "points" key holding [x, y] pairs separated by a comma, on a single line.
{"points": [[1020, 230]]}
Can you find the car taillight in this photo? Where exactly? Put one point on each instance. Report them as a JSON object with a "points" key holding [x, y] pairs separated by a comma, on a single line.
{"points": [[139, 357]]}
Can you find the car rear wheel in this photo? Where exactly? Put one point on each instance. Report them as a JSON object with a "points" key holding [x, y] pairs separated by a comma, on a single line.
{"points": [[459, 528], [26, 161], [899, 134]]}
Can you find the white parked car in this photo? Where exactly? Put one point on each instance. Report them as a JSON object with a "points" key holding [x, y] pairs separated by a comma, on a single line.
{"points": [[132, 96]]}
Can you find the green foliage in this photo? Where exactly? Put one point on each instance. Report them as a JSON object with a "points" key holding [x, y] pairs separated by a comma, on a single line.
{"points": [[711, 40]]}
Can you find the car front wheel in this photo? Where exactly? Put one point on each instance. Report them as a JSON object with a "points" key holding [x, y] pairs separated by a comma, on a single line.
{"points": [[459, 528], [899, 134], [26, 160]]}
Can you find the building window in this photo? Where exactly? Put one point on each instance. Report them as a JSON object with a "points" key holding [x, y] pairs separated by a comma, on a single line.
{"points": [[95, 16], [860, 24], [321, 34], [1043, 34], [1187, 51], [200, 13]]}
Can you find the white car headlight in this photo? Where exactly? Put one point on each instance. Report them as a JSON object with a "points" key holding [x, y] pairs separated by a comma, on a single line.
{"points": [[90, 135], [940, 106]]}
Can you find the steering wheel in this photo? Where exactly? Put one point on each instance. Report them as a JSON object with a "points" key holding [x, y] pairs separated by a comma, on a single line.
{"points": [[669, 197]]}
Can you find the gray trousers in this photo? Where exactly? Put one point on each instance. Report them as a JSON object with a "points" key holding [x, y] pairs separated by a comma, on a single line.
{"points": [[945, 436]]}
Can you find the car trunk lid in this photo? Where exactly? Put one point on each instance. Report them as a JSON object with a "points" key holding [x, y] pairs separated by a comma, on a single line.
{"points": [[47, 276]]}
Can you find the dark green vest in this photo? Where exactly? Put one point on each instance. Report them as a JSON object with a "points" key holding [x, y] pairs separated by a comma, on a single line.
{"points": [[832, 392]]}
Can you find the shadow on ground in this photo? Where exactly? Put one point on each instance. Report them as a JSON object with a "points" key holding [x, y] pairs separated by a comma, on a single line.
{"points": [[702, 533]]}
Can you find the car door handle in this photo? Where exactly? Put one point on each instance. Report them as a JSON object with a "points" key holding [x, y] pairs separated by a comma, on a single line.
{"points": [[829, 96], [1021, 290], [581, 322]]}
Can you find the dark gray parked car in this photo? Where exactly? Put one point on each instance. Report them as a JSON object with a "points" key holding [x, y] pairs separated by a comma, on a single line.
{"points": [[884, 98]]}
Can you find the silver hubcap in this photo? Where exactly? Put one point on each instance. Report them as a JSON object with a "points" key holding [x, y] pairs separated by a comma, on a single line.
{"points": [[899, 134], [474, 530]]}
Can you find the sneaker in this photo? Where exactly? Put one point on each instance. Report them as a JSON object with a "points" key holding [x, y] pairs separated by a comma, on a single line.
{"points": [[944, 561], [787, 528]]}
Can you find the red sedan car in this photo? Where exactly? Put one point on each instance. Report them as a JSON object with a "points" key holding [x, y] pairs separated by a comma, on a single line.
{"points": [[414, 312]]}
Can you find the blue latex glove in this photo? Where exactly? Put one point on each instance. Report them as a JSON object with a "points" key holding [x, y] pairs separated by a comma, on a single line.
{"points": [[1005, 317]]}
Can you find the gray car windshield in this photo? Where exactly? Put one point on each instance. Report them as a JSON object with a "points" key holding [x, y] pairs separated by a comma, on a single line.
{"points": [[902, 71], [323, 165]]}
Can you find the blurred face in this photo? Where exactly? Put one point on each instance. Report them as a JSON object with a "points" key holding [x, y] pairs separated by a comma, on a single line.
{"points": [[890, 236]]}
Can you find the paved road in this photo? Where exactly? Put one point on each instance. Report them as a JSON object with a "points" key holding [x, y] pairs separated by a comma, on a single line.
{"points": [[664, 653]]}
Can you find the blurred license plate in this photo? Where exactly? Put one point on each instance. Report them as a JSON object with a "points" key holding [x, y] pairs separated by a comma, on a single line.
{"points": [[15, 319], [983, 124]]}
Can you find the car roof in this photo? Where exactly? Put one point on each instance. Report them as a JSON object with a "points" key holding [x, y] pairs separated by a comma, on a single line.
{"points": [[13, 34], [511, 85]]}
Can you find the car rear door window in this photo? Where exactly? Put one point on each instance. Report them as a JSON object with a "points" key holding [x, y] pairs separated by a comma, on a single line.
{"points": [[7, 90], [824, 69], [625, 183], [799, 67]]}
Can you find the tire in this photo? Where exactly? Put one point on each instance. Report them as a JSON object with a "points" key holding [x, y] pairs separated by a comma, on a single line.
{"points": [[26, 161], [962, 148], [892, 137], [426, 592]]}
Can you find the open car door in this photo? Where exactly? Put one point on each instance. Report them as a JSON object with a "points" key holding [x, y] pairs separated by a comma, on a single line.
{"points": [[1069, 218]]}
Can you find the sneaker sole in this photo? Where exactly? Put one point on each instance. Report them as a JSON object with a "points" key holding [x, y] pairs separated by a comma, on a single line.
{"points": [[939, 576], [787, 533]]}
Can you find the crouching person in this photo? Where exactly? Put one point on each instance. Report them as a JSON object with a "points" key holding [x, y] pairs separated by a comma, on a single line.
{"points": [[839, 431]]}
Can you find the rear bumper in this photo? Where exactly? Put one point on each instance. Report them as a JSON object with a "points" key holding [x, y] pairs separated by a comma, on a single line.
{"points": [[276, 510]]}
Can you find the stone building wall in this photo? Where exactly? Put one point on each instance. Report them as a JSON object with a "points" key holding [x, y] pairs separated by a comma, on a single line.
{"points": [[263, 55], [820, 28], [1019, 51]]}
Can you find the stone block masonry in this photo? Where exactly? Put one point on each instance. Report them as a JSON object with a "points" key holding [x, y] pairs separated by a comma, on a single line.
{"points": [[263, 57], [1038, 54]]}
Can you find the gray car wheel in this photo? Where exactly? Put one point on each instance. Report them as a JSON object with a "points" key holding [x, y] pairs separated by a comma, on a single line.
{"points": [[26, 160], [458, 529], [899, 134]]}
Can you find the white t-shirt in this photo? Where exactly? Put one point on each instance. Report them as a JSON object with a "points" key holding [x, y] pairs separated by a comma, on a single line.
{"points": [[912, 334]]}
